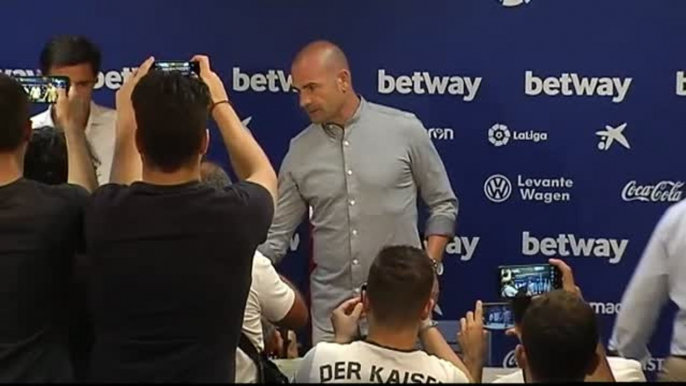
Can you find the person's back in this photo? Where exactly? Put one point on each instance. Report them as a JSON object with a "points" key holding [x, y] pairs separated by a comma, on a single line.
{"points": [[40, 232], [171, 257]]}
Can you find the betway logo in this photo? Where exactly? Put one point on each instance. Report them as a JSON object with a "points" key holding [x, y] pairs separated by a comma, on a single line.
{"points": [[421, 83], [273, 81], [663, 191], [112, 79], [577, 85], [613, 249], [462, 246], [605, 308], [681, 83]]}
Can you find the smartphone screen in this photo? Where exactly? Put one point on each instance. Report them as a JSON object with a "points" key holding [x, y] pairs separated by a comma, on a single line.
{"points": [[532, 279], [184, 67], [43, 89], [497, 316]]}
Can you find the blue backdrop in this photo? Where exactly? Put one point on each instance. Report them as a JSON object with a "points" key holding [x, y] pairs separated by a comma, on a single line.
{"points": [[555, 119]]}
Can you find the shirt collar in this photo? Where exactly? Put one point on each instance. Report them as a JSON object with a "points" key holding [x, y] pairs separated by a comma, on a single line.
{"points": [[93, 117], [333, 129]]}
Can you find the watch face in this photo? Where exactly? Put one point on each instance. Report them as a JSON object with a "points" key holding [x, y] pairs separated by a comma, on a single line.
{"points": [[439, 269]]}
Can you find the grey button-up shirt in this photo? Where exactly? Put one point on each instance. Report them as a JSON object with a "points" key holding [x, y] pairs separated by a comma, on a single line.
{"points": [[361, 183]]}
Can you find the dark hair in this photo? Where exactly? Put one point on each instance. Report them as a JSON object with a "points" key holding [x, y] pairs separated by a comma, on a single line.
{"points": [[519, 303], [69, 50], [559, 335], [399, 285], [46, 156], [14, 113], [214, 175], [171, 113]]}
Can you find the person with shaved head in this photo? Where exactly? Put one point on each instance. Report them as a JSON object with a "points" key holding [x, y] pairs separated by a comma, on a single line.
{"points": [[359, 167]]}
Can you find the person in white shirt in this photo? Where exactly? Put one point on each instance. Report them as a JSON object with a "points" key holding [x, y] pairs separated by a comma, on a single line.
{"points": [[79, 59], [624, 370], [397, 303], [271, 296]]}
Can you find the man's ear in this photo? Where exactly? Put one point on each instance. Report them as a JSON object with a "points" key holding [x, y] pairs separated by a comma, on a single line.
{"points": [[343, 80], [520, 356], [205, 142], [427, 310], [28, 131]]}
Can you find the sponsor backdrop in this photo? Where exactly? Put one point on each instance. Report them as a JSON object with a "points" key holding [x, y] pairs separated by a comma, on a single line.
{"points": [[559, 122]]}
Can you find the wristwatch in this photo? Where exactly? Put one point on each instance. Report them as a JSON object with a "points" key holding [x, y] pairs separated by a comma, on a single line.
{"points": [[438, 266], [427, 325]]}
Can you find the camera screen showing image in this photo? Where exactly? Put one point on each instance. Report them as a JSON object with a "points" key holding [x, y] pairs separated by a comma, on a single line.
{"points": [[185, 68], [498, 316], [532, 280], [43, 89]]}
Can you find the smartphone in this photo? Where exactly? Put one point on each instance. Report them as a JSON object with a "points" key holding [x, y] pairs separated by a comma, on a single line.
{"points": [[184, 67], [531, 279], [498, 316], [43, 89]]}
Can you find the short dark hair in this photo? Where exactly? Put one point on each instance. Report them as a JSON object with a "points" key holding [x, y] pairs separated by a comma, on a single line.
{"points": [[399, 285], [560, 335], [46, 156], [14, 113], [519, 303], [67, 50], [214, 175], [171, 112]]}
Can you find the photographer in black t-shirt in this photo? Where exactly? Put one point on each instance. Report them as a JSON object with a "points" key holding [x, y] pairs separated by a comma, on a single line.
{"points": [[172, 257], [40, 233]]}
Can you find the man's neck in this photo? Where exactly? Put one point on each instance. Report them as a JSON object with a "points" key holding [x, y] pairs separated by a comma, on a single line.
{"points": [[10, 168], [348, 110], [403, 339], [88, 114], [184, 175]]}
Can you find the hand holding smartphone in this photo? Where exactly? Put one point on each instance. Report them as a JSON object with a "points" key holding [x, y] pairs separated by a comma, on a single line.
{"points": [[43, 89], [187, 68]]}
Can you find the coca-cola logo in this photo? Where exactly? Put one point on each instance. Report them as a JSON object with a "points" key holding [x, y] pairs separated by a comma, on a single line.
{"points": [[509, 361], [663, 191]]}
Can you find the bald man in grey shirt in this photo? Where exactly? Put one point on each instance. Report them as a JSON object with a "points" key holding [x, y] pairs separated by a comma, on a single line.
{"points": [[359, 167]]}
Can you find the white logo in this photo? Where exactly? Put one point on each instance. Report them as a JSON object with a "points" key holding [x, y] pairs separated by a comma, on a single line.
{"points": [[463, 246], [246, 121], [499, 135], [273, 81], [441, 133], [610, 135], [510, 361], [663, 191], [605, 308], [681, 83], [653, 364], [513, 3], [577, 85], [498, 188], [421, 83], [295, 242], [20, 72], [613, 249]]}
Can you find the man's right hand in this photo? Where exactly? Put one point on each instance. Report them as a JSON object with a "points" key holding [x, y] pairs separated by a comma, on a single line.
{"points": [[568, 283], [125, 114], [345, 320], [211, 79]]}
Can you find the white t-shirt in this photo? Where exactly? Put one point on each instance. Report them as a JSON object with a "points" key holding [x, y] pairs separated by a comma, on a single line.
{"points": [[364, 362], [100, 133], [624, 370], [269, 297]]}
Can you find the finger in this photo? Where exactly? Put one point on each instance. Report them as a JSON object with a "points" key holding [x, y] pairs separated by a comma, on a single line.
{"points": [[566, 271], [62, 95], [463, 325], [347, 306], [478, 311], [204, 63], [357, 310], [470, 317], [145, 67]]}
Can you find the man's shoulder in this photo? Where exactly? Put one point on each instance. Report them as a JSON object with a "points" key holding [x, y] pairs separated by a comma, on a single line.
{"points": [[392, 113], [42, 119], [306, 137], [103, 112]]}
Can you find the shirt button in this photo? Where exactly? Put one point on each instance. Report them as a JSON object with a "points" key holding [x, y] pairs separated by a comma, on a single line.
{"points": [[357, 290], [354, 232], [350, 172], [356, 262], [352, 202], [346, 143]]}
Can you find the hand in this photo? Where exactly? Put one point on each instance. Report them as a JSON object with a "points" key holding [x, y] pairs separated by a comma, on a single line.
{"points": [[472, 336], [567, 277], [71, 110], [435, 290], [212, 80], [125, 114], [345, 319]]}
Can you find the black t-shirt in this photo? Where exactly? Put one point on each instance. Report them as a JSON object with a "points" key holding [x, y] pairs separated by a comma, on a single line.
{"points": [[171, 271], [40, 232]]}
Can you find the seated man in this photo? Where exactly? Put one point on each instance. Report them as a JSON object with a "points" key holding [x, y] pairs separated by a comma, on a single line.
{"points": [[559, 336], [397, 299], [172, 258], [40, 232]]}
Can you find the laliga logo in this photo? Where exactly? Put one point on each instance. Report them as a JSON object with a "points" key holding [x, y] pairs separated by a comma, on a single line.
{"points": [[509, 361], [513, 3]]}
